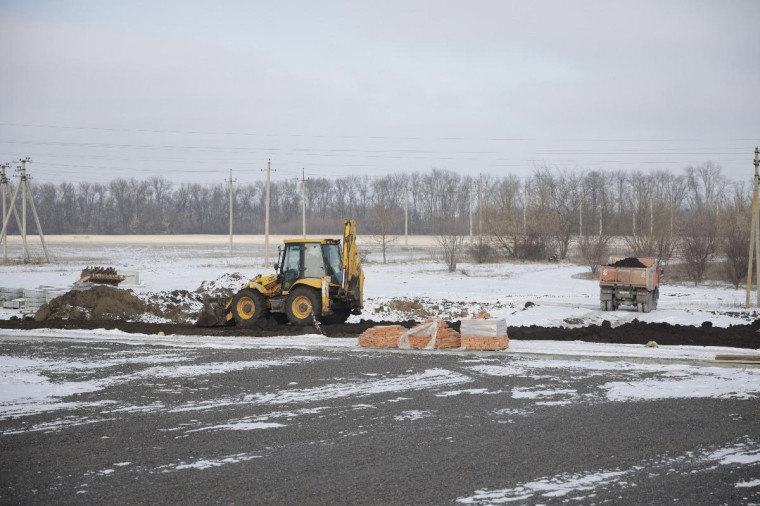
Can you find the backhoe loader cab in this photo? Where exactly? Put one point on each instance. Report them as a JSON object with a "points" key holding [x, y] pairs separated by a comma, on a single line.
{"points": [[314, 279], [312, 258]]}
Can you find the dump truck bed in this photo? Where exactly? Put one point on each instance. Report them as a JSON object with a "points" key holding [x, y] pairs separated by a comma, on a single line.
{"points": [[637, 277]]}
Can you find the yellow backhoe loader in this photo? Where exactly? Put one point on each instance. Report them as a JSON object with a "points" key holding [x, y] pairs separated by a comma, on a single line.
{"points": [[314, 279]]}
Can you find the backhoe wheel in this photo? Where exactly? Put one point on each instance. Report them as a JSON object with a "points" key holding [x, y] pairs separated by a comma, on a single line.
{"points": [[302, 306], [248, 307]]}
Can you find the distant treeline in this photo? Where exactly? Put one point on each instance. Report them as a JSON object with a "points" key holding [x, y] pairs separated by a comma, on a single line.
{"points": [[548, 202]]}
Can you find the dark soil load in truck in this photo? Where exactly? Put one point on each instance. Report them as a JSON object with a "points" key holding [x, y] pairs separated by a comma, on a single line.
{"points": [[630, 281]]}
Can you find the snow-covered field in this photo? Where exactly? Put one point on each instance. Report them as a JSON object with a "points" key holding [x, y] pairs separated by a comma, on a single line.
{"points": [[56, 381], [412, 285]]}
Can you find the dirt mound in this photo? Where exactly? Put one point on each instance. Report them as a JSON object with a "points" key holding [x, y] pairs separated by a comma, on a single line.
{"points": [[179, 306], [225, 285], [422, 308], [628, 262], [100, 302]]}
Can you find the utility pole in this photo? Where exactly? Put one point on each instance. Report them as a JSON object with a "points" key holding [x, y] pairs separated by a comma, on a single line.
{"points": [[3, 184], [672, 205], [651, 217], [600, 222], [525, 208], [23, 187], [470, 212], [230, 181], [266, 216], [406, 216], [22, 182], [303, 200], [480, 209], [753, 235], [25, 181], [633, 209], [6, 191], [580, 218]]}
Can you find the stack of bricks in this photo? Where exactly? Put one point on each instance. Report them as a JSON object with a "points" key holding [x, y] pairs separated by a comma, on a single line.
{"points": [[479, 335], [445, 337], [485, 343], [381, 337]]}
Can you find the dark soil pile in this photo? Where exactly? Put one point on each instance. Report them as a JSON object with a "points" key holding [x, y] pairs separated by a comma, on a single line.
{"points": [[100, 302], [628, 262], [267, 328], [635, 332]]}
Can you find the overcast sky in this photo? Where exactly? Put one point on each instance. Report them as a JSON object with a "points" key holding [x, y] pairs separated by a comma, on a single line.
{"points": [[93, 90]]}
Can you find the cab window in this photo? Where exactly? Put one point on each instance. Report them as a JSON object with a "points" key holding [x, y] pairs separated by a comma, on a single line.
{"points": [[332, 260], [313, 263], [292, 259], [291, 265]]}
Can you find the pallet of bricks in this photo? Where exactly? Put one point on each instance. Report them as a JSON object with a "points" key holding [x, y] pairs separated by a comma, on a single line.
{"points": [[484, 333], [430, 334]]}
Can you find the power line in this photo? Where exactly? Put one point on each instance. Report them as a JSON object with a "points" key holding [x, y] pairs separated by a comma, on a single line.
{"points": [[373, 137], [339, 151]]}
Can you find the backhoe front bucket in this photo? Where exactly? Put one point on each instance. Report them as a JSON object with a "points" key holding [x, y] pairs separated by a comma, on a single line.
{"points": [[212, 315]]}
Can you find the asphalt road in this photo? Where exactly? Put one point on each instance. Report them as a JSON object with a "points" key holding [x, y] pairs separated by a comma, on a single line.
{"points": [[156, 424]]}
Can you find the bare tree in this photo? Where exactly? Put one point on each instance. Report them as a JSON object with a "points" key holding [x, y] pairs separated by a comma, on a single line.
{"points": [[593, 249], [699, 240], [559, 191], [385, 215], [450, 244], [735, 227]]}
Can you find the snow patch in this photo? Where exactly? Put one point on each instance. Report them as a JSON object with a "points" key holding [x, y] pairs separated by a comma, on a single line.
{"points": [[429, 379], [241, 426], [413, 414], [209, 463]]}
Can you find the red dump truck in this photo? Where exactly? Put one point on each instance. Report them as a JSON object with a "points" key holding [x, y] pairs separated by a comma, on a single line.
{"points": [[630, 281]]}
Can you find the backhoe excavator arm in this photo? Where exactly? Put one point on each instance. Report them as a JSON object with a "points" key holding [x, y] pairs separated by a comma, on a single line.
{"points": [[353, 275]]}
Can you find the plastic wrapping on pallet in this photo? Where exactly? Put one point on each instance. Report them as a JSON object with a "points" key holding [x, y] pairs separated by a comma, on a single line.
{"points": [[484, 327], [421, 336], [484, 334], [430, 334]]}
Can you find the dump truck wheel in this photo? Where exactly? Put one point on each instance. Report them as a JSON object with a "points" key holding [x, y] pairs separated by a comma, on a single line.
{"points": [[302, 306], [248, 307], [648, 304], [338, 316]]}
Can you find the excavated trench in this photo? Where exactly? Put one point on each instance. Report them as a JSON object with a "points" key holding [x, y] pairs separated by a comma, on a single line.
{"points": [[738, 336]]}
